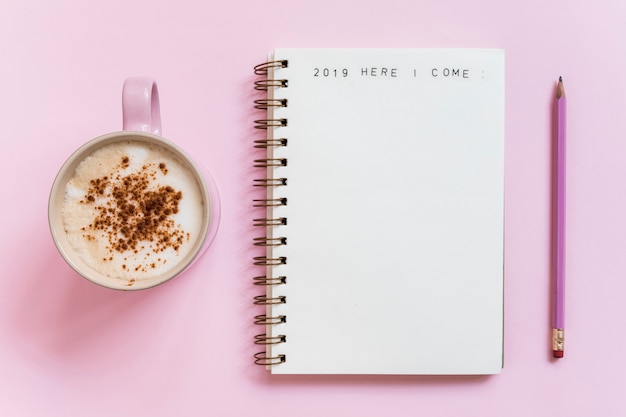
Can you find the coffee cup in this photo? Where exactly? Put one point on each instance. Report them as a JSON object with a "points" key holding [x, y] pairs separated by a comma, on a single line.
{"points": [[130, 210]]}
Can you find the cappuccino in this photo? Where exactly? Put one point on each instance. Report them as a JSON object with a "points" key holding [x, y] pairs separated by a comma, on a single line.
{"points": [[133, 210]]}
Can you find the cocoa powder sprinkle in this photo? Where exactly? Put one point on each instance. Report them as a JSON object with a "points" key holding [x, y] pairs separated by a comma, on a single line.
{"points": [[136, 212]]}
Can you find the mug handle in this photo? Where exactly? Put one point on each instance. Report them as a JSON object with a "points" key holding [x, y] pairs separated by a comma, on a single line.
{"points": [[140, 105]]}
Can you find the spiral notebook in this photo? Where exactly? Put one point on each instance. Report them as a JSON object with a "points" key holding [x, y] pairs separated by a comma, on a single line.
{"points": [[383, 237]]}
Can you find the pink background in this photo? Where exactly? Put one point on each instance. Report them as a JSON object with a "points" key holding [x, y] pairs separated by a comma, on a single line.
{"points": [[70, 348]]}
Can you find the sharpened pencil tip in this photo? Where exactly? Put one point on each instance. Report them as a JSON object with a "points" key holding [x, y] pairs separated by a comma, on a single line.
{"points": [[560, 90]]}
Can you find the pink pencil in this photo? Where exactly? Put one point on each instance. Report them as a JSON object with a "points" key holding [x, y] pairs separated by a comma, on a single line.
{"points": [[558, 314]]}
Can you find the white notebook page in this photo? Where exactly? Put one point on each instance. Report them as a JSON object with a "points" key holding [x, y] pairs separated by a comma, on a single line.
{"points": [[395, 211]]}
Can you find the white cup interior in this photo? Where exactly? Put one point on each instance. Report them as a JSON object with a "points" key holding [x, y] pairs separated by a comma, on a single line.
{"points": [[59, 235]]}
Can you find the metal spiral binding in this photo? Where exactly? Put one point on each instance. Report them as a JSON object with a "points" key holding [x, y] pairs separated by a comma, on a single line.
{"points": [[262, 300], [266, 261], [264, 319], [270, 202], [261, 358], [263, 339], [270, 182], [262, 69], [270, 162], [264, 85], [270, 143], [270, 240], [265, 104], [267, 123], [265, 222], [264, 280]]}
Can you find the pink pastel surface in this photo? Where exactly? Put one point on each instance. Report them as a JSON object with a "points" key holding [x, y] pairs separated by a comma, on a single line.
{"points": [[70, 348]]}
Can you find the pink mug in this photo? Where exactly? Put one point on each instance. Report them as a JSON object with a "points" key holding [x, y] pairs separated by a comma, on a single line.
{"points": [[130, 210]]}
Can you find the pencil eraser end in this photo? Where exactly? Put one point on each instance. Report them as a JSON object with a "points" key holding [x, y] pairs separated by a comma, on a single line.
{"points": [[557, 353]]}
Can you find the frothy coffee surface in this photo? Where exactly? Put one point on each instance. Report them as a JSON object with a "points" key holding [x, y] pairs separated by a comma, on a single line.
{"points": [[132, 210]]}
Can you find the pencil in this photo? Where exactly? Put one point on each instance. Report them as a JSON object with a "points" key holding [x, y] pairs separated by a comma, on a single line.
{"points": [[558, 314]]}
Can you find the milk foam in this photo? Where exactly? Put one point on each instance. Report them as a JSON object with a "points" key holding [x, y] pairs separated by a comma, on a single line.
{"points": [[89, 197]]}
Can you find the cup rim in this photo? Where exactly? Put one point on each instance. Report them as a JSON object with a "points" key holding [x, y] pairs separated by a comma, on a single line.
{"points": [[55, 203]]}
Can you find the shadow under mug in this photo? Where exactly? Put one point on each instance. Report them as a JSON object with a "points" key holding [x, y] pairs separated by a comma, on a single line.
{"points": [[141, 124]]}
